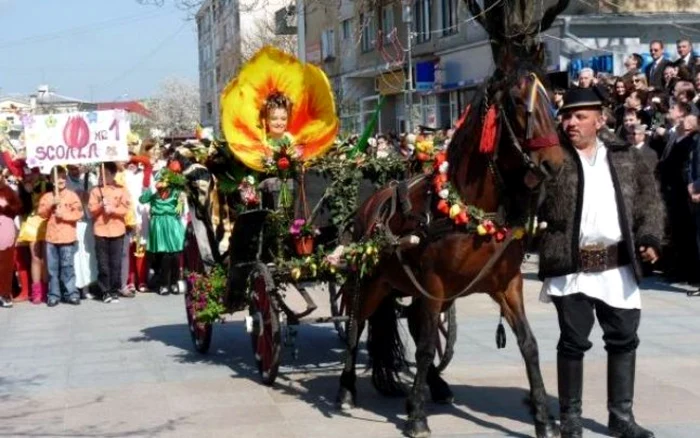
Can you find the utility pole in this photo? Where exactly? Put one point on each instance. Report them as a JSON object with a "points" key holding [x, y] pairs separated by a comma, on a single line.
{"points": [[301, 31], [408, 93]]}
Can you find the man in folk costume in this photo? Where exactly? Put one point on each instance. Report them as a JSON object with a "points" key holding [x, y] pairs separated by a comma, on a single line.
{"points": [[601, 218]]}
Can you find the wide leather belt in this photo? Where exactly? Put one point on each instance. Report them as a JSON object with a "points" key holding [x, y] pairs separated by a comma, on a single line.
{"points": [[600, 258]]}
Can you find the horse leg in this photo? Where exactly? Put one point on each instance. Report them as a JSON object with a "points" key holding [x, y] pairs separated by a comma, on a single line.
{"points": [[440, 391], [363, 303], [513, 309], [426, 314]]}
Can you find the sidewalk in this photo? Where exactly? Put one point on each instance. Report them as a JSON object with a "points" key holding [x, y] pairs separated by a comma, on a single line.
{"points": [[128, 369]]}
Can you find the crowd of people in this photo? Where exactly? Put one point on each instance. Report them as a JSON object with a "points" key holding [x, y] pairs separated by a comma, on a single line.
{"points": [[84, 232]]}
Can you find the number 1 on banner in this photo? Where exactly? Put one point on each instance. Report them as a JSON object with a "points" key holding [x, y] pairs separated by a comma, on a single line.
{"points": [[115, 127]]}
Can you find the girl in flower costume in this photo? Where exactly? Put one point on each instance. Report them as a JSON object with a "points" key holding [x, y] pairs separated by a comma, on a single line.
{"points": [[166, 236], [277, 102]]}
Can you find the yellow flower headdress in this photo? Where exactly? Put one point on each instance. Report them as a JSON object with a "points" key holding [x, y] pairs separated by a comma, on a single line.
{"points": [[313, 122]]}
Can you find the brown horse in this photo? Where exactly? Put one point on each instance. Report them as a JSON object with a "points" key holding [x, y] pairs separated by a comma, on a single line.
{"points": [[435, 272]]}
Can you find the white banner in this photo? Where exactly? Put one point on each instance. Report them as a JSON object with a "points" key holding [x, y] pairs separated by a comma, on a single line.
{"points": [[76, 138]]}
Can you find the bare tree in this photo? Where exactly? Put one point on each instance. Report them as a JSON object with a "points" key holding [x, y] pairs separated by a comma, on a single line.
{"points": [[263, 34], [175, 109]]}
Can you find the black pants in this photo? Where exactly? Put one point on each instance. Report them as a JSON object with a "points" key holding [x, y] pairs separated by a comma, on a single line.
{"points": [[576, 320], [109, 263], [169, 268]]}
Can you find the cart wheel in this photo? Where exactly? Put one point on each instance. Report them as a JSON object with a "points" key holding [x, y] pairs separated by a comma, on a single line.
{"points": [[264, 311], [199, 331], [339, 307], [446, 338]]}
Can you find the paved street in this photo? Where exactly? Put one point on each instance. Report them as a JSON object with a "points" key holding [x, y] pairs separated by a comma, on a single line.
{"points": [[129, 370]]}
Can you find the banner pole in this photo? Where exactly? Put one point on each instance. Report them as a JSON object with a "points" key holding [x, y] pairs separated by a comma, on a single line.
{"points": [[55, 182]]}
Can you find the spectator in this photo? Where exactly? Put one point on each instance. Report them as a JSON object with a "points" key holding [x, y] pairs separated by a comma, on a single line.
{"points": [[633, 65], [558, 98], [81, 182], [684, 48], [108, 205], [639, 82], [586, 78], [669, 77], [10, 207], [631, 118], [637, 137], [62, 209], [681, 259], [655, 71], [636, 101]]}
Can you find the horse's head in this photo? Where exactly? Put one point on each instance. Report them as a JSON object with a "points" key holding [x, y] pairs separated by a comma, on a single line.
{"points": [[528, 137], [509, 143]]}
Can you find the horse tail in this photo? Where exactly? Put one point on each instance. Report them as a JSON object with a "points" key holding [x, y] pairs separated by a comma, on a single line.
{"points": [[386, 350]]}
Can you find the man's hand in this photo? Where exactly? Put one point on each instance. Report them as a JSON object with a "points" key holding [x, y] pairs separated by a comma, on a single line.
{"points": [[695, 198], [648, 254], [691, 190]]}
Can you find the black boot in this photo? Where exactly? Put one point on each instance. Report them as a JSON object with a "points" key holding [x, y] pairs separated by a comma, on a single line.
{"points": [[570, 379], [621, 422]]}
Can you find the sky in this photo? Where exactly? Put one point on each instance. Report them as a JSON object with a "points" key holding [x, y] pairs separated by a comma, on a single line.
{"points": [[95, 50]]}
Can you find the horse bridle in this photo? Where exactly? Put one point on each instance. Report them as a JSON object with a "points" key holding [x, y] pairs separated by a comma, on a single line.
{"points": [[531, 144]]}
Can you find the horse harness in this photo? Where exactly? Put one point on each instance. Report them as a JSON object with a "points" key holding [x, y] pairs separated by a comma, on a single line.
{"points": [[429, 229]]}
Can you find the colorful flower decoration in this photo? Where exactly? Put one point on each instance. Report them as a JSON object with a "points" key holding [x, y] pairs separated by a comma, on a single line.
{"points": [[450, 204], [313, 122]]}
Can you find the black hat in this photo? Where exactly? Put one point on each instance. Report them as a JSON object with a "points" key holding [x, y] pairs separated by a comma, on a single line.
{"points": [[582, 98]]}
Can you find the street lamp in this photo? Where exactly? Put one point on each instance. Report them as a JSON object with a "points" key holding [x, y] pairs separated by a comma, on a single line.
{"points": [[408, 92]]}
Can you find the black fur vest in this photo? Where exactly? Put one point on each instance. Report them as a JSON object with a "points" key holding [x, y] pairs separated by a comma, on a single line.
{"points": [[639, 206]]}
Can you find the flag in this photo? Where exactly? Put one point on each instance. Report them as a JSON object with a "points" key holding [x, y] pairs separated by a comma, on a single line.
{"points": [[369, 129]]}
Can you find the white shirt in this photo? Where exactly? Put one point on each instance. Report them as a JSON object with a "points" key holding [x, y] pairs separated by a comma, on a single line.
{"points": [[599, 224]]}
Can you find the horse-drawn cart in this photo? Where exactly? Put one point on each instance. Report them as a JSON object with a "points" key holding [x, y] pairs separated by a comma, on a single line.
{"points": [[262, 270]]}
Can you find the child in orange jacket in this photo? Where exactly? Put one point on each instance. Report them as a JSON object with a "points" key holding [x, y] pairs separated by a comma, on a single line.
{"points": [[62, 210]]}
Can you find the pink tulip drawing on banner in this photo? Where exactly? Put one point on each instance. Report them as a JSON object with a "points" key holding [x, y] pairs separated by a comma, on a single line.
{"points": [[76, 133]]}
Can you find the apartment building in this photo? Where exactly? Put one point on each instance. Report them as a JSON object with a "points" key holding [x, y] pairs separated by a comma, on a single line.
{"points": [[364, 51], [218, 28]]}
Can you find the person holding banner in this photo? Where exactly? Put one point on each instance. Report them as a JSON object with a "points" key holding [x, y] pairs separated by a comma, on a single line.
{"points": [[108, 205], [10, 207], [62, 209]]}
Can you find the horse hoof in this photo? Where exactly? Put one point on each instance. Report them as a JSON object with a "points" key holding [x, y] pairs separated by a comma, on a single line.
{"points": [[549, 429], [417, 428], [442, 394], [345, 400]]}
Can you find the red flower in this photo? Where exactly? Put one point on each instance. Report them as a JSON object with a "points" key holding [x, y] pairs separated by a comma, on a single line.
{"points": [[439, 159], [283, 163], [443, 207], [500, 235], [462, 218], [422, 156], [489, 226], [175, 166]]}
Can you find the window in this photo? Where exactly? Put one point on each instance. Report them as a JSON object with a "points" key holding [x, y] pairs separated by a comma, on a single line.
{"points": [[448, 12], [421, 20], [210, 109], [328, 44], [387, 21], [369, 32], [346, 29]]}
